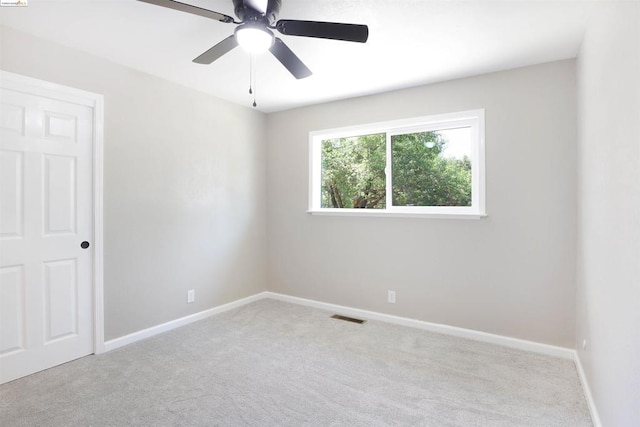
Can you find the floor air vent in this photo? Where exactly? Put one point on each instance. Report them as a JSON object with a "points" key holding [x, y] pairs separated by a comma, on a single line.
{"points": [[348, 319]]}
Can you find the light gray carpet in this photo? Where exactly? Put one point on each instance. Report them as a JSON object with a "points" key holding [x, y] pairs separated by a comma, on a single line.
{"points": [[276, 364]]}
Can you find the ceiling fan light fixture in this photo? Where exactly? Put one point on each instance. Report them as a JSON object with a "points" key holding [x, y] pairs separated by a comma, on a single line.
{"points": [[254, 39]]}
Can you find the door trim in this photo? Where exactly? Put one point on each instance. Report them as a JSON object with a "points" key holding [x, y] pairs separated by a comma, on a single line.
{"points": [[38, 87]]}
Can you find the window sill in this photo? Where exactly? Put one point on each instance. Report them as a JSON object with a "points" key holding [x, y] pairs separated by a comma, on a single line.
{"points": [[392, 214]]}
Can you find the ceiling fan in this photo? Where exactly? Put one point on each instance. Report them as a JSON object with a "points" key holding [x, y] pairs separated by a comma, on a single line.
{"points": [[256, 20]]}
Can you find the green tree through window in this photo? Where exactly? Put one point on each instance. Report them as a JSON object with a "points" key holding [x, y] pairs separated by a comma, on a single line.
{"points": [[353, 171], [423, 176]]}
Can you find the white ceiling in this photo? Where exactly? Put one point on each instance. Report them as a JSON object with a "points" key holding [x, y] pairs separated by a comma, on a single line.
{"points": [[411, 42]]}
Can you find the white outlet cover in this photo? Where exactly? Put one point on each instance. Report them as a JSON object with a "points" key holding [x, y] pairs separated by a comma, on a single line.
{"points": [[391, 297]]}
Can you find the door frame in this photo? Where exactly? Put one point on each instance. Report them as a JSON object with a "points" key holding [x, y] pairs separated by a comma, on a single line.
{"points": [[33, 86]]}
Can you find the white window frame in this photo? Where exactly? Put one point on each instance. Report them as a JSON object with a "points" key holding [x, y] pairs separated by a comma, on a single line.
{"points": [[471, 118]]}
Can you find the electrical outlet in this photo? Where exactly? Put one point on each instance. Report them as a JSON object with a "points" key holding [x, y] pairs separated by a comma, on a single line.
{"points": [[191, 296], [391, 297], [584, 344]]}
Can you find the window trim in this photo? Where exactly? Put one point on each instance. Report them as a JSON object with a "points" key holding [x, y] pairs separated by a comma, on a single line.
{"points": [[470, 118]]}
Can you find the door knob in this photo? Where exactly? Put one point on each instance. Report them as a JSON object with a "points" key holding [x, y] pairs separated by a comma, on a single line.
{"points": [[84, 245]]}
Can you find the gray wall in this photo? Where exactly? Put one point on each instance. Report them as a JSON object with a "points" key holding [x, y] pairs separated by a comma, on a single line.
{"points": [[608, 313], [184, 181], [512, 273]]}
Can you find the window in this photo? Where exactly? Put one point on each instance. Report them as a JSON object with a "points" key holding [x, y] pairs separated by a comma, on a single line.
{"points": [[429, 166]]}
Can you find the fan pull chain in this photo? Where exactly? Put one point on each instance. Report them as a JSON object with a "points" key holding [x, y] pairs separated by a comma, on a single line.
{"points": [[252, 81], [254, 69], [250, 74]]}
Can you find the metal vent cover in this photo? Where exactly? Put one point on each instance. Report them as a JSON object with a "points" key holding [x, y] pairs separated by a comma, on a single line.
{"points": [[348, 319]]}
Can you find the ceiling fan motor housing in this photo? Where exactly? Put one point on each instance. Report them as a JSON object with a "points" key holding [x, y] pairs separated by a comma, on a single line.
{"points": [[246, 13]]}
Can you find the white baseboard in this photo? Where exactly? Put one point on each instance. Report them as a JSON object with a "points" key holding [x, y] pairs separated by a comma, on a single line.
{"points": [[532, 346], [535, 347], [164, 327], [595, 418]]}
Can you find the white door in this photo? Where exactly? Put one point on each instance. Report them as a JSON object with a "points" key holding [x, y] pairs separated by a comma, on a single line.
{"points": [[46, 213]]}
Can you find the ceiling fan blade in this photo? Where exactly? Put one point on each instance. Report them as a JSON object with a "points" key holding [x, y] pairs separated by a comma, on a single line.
{"points": [[217, 51], [324, 30], [289, 59], [195, 10]]}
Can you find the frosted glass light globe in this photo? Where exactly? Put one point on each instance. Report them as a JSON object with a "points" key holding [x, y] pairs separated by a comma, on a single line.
{"points": [[254, 39]]}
